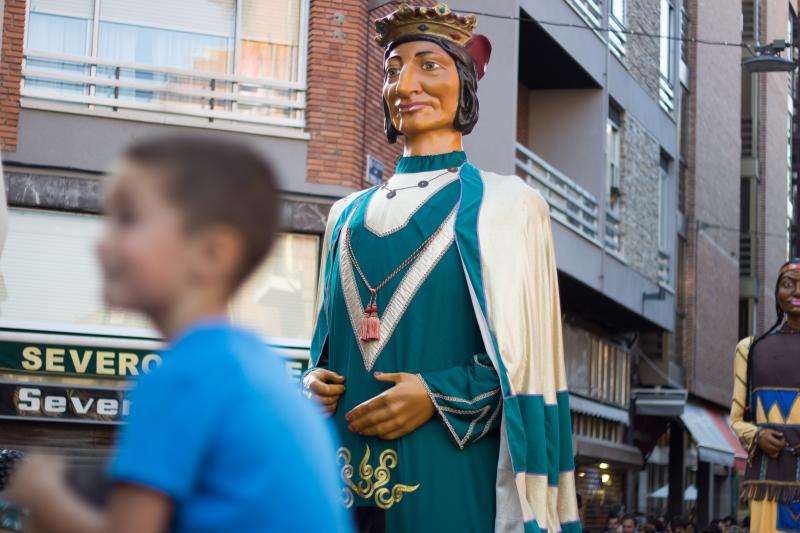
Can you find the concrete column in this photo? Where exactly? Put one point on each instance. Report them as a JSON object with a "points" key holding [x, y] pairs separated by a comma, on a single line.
{"points": [[676, 470]]}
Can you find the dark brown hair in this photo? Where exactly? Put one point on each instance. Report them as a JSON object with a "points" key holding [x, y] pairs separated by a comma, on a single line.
{"points": [[467, 113], [217, 182]]}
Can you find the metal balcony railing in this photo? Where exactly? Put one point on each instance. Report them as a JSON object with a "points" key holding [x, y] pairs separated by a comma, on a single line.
{"points": [[746, 241], [613, 232], [570, 203], [664, 269], [616, 37], [108, 87], [590, 10], [747, 136], [666, 94]]}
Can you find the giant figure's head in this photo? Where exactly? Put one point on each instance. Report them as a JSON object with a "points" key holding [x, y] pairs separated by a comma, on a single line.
{"points": [[432, 64]]}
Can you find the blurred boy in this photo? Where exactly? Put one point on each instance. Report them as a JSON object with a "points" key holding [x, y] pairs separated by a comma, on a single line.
{"points": [[217, 439]]}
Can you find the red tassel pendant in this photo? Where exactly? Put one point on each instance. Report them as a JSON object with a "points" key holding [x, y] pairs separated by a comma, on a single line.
{"points": [[370, 327]]}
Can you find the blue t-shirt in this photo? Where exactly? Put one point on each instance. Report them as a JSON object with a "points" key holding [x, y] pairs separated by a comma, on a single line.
{"points": [[221, 430]]}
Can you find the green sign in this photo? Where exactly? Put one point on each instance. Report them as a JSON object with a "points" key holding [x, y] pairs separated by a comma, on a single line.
{"points": [[76, 360], [93, 361]]}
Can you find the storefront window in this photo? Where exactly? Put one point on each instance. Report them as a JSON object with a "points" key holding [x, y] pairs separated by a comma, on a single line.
{"points": [[49, 273], [279, 300], [49, 277]]}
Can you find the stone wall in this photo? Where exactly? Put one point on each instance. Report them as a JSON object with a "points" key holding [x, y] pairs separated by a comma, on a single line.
{"points": [[642, 53], [640, 194]]}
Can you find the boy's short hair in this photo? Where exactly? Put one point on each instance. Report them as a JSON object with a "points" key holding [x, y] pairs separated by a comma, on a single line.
{"points": [[215, 181]]}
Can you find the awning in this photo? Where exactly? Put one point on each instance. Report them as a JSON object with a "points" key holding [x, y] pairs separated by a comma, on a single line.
{"points": [[657, 401], [600, 410], [740, 454], [689, 495], [611, 452], [712, 445]]}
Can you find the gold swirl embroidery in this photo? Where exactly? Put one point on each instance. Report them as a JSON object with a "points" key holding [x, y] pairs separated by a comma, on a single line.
{"points": [[373, 482]]}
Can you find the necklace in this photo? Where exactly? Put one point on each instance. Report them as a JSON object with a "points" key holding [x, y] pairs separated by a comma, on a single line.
{"points": [[370, 326], [420, 185]]}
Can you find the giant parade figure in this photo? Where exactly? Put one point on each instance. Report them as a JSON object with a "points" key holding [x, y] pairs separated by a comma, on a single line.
{"points": [[438, 345], [765, 411]]}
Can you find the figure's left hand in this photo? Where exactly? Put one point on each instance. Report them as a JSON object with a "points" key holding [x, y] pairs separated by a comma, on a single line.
{"points": [[395, 412]]}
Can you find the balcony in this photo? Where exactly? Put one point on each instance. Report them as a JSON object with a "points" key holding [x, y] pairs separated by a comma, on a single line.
{"points": [[108, 88], [589, 10], [746, 241], [616, 36], [664, 269], [666, 94], [570, 204]]}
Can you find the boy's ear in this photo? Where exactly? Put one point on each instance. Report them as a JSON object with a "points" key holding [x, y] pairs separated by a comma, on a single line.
{"points": [[221, 251]]}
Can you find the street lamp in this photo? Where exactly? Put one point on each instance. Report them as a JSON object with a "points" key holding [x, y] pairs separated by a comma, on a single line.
{"points": [[768, 59]]}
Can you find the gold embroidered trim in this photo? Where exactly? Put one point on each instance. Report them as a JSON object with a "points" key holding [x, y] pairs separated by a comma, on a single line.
{"points": [[412, 280], [369, 488], [442, 409]]}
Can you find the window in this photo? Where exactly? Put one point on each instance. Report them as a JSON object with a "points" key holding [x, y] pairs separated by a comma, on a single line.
{"points": [[49, 275], [667, 31], [684, 65], [189, 57], [613, 142], [49, 272], [663, 205], [616, 25], [280, 298]]}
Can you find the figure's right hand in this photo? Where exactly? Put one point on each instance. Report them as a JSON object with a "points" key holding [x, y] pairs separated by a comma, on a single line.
{"points": [[771, 442], [325, 386]]}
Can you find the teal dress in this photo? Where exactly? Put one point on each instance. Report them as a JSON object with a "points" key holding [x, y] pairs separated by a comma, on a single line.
{"points": [[442, 476]]}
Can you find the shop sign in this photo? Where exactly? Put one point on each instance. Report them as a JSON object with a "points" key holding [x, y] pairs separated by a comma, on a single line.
{"points": [[62, 403]]}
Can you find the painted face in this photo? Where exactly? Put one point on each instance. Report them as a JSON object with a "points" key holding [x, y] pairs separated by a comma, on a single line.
{"points": [[421, 87], [789, 292], [144, 253]]}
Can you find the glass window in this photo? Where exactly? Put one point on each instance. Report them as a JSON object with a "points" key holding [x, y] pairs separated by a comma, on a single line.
{"points": [[58, 27], [280, 298], [613, 142], [618, 10], [49, 275], [663, 205], [270, 39], [200, 36], [666, 31]]}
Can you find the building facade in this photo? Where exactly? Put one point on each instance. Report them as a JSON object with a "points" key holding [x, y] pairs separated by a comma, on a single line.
{"points": [[633, 136]]}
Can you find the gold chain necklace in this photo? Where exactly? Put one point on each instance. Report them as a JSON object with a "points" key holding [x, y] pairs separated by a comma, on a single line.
{"points": [[370, 326]]}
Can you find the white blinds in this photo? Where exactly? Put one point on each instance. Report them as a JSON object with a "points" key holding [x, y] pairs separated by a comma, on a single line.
{"points": [[69, 8], [209, 17], [271, 21], [50, 273]]}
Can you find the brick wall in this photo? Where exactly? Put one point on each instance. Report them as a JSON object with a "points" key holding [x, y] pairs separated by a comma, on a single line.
{"points": [[345, 110], [13, 29], [709, 293]]}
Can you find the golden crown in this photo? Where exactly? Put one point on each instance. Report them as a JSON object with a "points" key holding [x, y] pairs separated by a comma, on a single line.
{"points": [[438, 21]]}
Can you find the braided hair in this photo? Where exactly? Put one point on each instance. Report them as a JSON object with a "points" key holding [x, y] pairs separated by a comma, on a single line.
{"points": [[781, 315]]}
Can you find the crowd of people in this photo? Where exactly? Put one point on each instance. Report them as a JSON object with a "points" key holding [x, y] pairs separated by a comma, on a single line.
{"points": [[639, 523]]}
